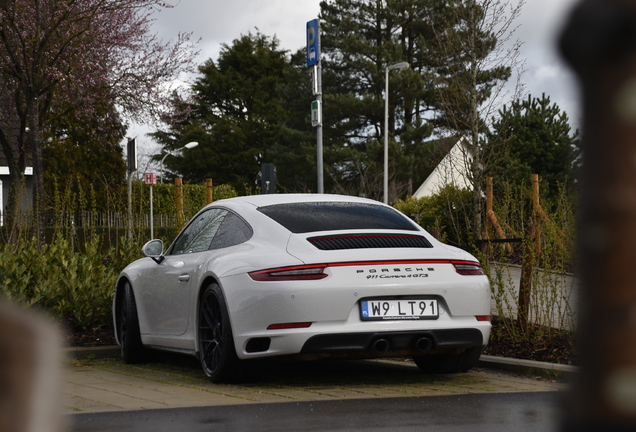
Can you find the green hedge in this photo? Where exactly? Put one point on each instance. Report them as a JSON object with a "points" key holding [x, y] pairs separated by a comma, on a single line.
{"points": [[69, 285], [72, 277]]}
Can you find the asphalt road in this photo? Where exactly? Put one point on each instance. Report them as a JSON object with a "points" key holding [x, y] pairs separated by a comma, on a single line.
{"points": [[519, 412]]}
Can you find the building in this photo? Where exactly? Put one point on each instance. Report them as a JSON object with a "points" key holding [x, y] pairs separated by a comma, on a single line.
{"points": [[455, 159], [5, 184]]}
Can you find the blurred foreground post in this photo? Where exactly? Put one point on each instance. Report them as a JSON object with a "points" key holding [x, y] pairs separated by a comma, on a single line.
{"points": [[599, 42], [29, 373]]}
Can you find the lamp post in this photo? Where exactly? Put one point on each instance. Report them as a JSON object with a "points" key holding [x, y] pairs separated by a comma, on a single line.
{"points": [[189, 145], [399, 66]]}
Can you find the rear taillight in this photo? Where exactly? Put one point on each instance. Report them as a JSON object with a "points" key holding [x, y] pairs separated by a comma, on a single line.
{"points": [[308, 272], [317, 271], [482, 317], [468, 268]]}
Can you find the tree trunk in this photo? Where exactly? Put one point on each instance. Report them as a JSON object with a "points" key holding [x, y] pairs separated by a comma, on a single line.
{"points": [[39, 198], [525, 285], [477, 168], [16, 161]]}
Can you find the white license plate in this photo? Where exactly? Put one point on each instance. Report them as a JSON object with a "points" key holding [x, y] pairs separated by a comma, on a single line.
{"points": [[399, 309]]}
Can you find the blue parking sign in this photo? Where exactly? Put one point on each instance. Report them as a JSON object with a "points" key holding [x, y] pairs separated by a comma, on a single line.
{"points": [[313, 46]]}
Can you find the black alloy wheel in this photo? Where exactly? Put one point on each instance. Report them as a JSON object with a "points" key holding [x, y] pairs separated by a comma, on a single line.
{"points": [[215, 342], [132, 350]]}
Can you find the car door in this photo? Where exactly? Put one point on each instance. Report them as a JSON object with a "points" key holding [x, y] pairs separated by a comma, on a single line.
{"points": [[169, 285]]}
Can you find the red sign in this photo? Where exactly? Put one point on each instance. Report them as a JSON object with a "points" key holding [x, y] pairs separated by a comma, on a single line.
{"points": [[150, 178]]}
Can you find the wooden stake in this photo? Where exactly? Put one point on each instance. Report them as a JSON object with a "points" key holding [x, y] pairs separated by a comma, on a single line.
{"points": [[492, 218], [537, 211], [489, 201], [208, 183]]}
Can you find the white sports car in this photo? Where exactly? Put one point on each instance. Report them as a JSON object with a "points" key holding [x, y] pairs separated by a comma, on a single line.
{"points": [[303, 275]]}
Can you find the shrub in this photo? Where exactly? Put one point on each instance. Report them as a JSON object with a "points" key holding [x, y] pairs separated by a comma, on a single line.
{"points": [[77, 287], [73, 277], [448, 212]]}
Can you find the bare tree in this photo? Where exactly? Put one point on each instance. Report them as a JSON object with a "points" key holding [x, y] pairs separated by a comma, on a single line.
{"points": [[57, 55], [480, 57]]}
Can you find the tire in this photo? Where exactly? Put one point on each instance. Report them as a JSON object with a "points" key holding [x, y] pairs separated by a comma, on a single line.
{"points": [[132, 350], [449, 363], [215, 341]]}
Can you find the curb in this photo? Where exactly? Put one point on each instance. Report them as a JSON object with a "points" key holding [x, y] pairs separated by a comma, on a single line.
{"points": [[526, 366], [485, 361]]}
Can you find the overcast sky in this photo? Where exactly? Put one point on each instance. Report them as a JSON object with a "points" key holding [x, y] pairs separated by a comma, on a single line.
{"points": [[215, 22]]}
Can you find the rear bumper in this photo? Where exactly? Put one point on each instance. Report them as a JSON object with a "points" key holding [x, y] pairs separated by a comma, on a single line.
{"points": [[379, 343]]}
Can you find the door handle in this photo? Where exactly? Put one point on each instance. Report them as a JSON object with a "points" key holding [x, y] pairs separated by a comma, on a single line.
{"points": [[184, 278]]}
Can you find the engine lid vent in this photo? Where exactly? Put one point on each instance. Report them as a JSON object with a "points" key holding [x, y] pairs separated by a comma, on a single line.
{"points": [[369, 241]]}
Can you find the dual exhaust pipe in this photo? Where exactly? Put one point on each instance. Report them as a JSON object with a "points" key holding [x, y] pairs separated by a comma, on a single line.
{"points": [[419, 344], [380, 346]]}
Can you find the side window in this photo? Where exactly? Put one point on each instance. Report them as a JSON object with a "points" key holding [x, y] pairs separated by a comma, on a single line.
{"points": [[199, 234], [233, 231]]}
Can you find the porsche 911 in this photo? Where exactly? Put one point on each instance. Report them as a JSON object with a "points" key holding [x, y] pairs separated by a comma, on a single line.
{"points": [[304, 276]]}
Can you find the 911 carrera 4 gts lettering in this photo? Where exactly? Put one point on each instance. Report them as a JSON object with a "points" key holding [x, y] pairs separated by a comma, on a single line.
{"points": [[401, 276]]}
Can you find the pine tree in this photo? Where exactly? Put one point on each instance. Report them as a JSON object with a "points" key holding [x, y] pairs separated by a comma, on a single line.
{"points": [[537, 139], [235, 113], [84, 149], [359, 40]]}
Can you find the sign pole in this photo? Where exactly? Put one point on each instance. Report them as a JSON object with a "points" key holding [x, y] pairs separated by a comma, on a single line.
{"points": [[132, 167], [151, 216], [313, 59], [319, 161], [151, 179]]}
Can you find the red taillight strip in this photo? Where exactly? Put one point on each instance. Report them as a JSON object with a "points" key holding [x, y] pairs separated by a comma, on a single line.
{"points": [[393, 262], [482, 317], [316, 271], [302, 272], [285, 326]]}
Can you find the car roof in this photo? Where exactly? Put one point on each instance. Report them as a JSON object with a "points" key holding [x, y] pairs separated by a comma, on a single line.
{"points": [[272, 199]]}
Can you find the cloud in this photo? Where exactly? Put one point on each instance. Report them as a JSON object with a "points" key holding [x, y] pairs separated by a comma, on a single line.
{"points": [[541, 23], [218, 22], [546, 72]]}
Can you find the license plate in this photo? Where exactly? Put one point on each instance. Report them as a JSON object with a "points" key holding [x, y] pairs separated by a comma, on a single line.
{"points": [[399, 309]]}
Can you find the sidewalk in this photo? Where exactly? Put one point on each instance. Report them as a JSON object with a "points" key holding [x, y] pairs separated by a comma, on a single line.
{"points": [[113, 386]]}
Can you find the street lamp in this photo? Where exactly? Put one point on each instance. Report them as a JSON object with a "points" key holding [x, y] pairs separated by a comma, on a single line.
{"points": [[189, 145], [399, 66]]}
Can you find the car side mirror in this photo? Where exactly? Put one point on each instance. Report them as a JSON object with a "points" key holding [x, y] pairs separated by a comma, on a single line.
{"points": [[154, 249]]}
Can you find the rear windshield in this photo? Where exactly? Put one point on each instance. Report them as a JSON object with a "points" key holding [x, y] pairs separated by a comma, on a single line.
{"points": [[335, 216]]}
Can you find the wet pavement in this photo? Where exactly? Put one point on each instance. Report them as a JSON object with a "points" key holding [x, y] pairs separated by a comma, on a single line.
{"points": [[108, 385], [498, 412]]}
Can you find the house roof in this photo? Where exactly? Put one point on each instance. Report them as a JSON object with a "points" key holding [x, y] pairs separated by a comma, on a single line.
{"points": [[449, 166]]}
